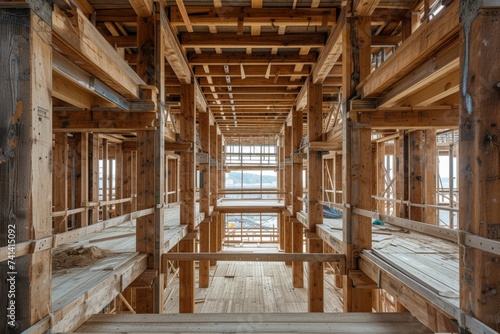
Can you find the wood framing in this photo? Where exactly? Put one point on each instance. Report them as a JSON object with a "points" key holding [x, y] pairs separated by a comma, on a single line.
{"points": [[25, 163], [297, 192], [479, 161], [204, 172]]}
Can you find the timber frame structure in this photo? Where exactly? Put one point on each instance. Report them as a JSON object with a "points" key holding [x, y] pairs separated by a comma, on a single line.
{"points": [[122, 120]]}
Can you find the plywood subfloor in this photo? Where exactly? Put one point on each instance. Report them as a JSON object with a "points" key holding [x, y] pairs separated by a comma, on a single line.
{"points": [[250, 287], [430, 261]]}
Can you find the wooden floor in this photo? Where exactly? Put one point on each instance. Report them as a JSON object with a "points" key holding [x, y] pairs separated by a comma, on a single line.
{"points": [[429, 261], [107, 277], [362, 323], [253, 287]]}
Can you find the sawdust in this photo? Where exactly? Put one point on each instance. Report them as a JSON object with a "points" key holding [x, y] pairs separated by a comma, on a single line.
{"points": [[77, 257]]}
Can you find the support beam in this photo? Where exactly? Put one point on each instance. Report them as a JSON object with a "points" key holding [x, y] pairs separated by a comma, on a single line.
{"points": [[430, 168], [82, 177], [103, 121], [214, 183], [25, 163], [315, 193], [416, 157], [297, 192], [357, 162], [479, 167], [254, 257], [204, 184], [187, 195], [428, 39]]}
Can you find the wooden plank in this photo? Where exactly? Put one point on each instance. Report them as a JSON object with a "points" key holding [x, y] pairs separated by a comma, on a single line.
{"points": [[174, 54], [102, 121], [255, 58], [143, 8], [297, 191], [258, 257], [230, 40], [85, 44], [431, 36], [404, 118], [331, 52], [432, 311], [479, 139], [60, 180], [82, 177], [254, 17]]}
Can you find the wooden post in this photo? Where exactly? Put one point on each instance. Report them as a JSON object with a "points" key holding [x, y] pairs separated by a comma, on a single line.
{"points": [[479, 164], [297, 192], [94, 176], [213, 188], [430, 175], [127, 178], [25, 163], [60, 180], [315, 191], [150, 164], [82, 177], [188, 189], [381, 176], [357, 162], [105, 177], [221, 183], [416, 174], [118, 178], [287, 187], [204, 134], [402, 171]]}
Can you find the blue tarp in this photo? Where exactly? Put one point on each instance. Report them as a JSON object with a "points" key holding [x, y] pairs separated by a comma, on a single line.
{"points": [[331, 212]]}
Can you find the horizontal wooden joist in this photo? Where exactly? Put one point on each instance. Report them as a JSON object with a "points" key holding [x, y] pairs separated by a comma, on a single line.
{"points": [[252, 90], [228, 58], [232, 40], [103, 121], [275, 17], [407, 118], [143, 8], [424, 42], [85, 45], [250, 97], [433, 69], [255, 70], [254, 257]]}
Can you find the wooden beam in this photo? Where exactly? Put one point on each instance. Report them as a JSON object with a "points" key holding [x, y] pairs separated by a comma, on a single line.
{"points": [[430, 166], [228, 16], [268, 40], [174, 54], [82, 177], [365, 7], [416, 155], [331, 52], [404, 118], [255, 58], [103, 121], [257, 257], [479, 160], [25, 163], [184, 14], [428, 39], [143, 8], [297, 191], [86, 45]]}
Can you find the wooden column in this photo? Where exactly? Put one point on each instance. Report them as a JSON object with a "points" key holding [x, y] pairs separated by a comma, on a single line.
{"points": [[416, 174], [94, 177], [338, 178], [381, 176], [315, 192], [82, 177], [213, 189], [60, 180], [479, 164], [402, 172], [297, 192], [127, 178], [150, 164], [25, 163], [204, 134], [357, 162], [430, 176], [188, 189], [105, 177], [221, 184], [287, 187], [118, 178]]}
